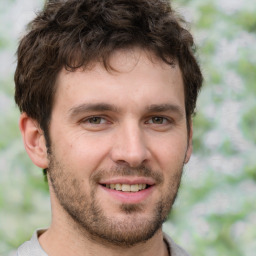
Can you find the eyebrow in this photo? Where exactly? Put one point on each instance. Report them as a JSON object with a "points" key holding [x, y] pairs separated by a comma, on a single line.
{"points": [[83, 108], [157, 108], [102, 107]]}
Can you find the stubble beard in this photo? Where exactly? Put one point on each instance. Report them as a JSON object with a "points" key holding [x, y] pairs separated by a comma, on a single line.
{"points": [[89, 217]]}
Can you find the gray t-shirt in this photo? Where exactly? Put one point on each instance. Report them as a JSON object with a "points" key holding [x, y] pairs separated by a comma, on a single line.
{"points": [[33, 248]]}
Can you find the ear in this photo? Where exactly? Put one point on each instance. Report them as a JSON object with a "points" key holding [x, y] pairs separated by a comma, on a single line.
{"points": [[190, 146], [34, 141]]}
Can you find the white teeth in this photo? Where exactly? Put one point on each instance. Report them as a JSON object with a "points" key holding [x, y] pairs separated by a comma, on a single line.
{"points": [[118, 187], [135, 188], [127, 187]]}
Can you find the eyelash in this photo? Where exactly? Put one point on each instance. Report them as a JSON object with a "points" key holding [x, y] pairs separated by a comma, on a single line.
{"points": [[88, 119], [165, 120]]}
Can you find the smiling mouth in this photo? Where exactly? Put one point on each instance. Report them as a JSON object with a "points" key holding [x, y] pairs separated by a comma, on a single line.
{"points": [[127, 187]]}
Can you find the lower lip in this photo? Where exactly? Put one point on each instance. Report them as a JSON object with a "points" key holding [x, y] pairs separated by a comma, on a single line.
{"points": [[129, 197]]}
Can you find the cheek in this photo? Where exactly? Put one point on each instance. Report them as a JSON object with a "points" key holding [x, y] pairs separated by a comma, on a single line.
{"points": [[82, 153], [171, 152]]}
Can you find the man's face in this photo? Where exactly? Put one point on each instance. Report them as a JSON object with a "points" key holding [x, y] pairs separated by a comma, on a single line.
{"points": [[118, 145]]}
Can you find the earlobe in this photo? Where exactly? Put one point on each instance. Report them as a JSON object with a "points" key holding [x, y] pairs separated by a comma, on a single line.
{"points": [[190, 145], [34, 141]]}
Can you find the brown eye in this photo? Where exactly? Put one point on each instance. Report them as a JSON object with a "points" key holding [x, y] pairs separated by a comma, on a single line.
{"points": [[95, 120], [157, 120], [95, 123]]}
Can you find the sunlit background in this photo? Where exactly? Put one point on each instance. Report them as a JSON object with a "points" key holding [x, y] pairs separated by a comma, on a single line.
{"points": [[215, 213]]}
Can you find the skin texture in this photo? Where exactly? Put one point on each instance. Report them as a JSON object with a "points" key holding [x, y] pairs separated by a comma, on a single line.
{"points": [[127, 126]]}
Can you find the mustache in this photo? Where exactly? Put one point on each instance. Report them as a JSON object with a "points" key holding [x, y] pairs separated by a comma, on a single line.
{"points": [[141, 171]]}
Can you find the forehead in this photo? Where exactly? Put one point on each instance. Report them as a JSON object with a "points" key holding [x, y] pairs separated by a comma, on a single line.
{"points": [[135, 76]]}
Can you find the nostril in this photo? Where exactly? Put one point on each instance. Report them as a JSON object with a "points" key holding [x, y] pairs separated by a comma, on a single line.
{"points": [[122, 163]]}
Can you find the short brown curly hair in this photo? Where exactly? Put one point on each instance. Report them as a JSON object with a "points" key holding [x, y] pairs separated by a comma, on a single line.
{"points": [[76, 33]]}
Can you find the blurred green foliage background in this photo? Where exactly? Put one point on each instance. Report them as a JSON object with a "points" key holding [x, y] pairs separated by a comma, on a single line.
{"points": [[215, 213]]}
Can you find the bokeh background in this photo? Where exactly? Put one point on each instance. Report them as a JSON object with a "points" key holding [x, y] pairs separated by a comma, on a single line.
{"points": [[215, 213]]}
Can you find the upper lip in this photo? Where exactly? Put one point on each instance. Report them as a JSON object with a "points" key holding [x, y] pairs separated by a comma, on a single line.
{"points": [[128, 180]]}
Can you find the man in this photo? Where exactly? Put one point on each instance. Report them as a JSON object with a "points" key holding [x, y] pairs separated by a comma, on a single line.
{"points": [[107, 90]]}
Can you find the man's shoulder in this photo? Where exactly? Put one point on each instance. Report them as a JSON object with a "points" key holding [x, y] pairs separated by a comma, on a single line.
{"points": [[31, 247], [175, 249]]}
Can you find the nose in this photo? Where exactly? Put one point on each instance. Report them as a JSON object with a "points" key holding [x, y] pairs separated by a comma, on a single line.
{"points": [[129, 146]]}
